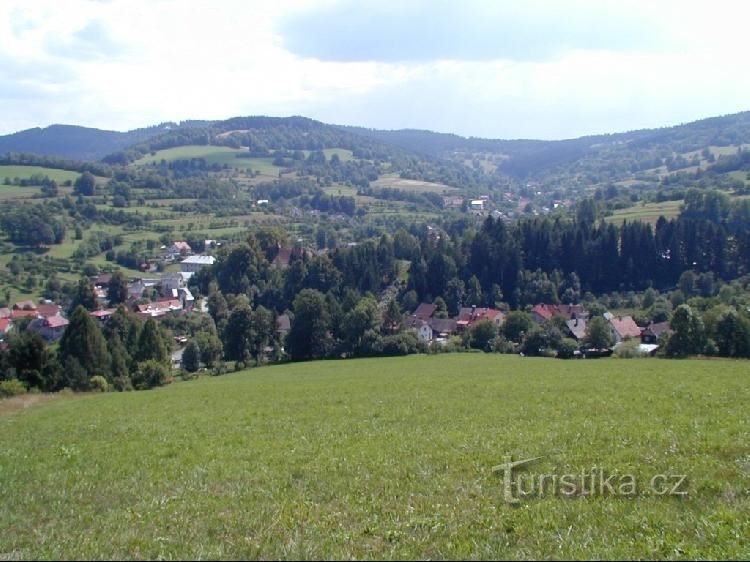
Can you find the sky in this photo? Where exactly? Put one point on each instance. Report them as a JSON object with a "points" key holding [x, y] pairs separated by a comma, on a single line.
{"points": [[546, 69]]}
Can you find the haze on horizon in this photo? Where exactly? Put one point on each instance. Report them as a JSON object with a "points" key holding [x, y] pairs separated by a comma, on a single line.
{"points": [[494, 69]]}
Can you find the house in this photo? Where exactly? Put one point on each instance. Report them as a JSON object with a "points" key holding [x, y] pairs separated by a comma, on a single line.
{"points": [[51, 328], [577, 327], [101, 281], [453, 202], [158, 308], [283, 325], [196, 263], [422, 314], [477, 205], [622, 327], [424, 331], [4, 326], [651, 333], [442, 327], [179, 248], [102, 315], [282, 258], [543, 312], [468, 316], [171, 284], [5, 312], [186, 298]]}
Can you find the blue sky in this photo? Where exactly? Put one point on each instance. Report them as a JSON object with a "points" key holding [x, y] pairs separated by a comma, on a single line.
{"points": [[496, 69]]}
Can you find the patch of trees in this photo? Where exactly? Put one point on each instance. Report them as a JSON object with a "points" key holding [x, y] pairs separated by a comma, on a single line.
{"points": [[24, 159], [32, 225]]}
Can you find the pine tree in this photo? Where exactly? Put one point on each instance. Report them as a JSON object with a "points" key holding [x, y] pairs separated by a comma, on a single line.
{"points": [[151, 344], [82, 344], [191, 357]]}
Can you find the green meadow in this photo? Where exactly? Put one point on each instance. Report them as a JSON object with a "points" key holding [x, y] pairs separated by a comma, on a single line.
{"points": [[213, 155], [25, 172], [384, 458]]}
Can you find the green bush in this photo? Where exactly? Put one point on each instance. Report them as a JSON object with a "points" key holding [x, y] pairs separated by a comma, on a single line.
{"points": [[99, 384], [13, 387]]}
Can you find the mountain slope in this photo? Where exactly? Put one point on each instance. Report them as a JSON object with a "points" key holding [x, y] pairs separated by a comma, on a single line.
{"points": [[73, 142]]}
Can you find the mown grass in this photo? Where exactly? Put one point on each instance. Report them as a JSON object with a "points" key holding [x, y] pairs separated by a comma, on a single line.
{"points": [[393, 181], [646, 212], [383, 458]]}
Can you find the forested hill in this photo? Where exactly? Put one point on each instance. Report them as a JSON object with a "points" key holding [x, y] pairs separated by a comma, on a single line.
{"points": [[74, 142], [631, 151], [594, 159]]}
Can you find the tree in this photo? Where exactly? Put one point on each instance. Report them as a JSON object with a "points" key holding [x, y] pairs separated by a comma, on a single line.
{"points": [[482, 333], [392, 317], [150, 374], [210, 346], [117, 288], [151, 344], [32, 362], [191, 357], [84, 296], [262, 330], [83, 351], [363, 318], [517, 323], [732, 335], [689, 335], [309, 336], [598, 335], [238, 333], [474, 293], [85, 184]]}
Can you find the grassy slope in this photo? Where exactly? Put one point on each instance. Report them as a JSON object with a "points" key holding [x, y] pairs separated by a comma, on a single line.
{"points": [[213, 155], [383, 458], [25, 172]]}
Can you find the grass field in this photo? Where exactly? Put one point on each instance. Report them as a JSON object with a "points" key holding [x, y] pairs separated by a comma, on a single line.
{"points": [[395, 182], [384, 458], [214, 155], [25, 172], [648, 212]]}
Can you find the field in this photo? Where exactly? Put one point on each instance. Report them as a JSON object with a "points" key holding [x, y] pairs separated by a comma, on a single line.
{"points": [[384, 458], [213, 155], [25, 172], [647, 212], [395, 182]]}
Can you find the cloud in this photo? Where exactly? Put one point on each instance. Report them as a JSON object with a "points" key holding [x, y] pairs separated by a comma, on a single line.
{"points": [[92, 41], [476, 30]]}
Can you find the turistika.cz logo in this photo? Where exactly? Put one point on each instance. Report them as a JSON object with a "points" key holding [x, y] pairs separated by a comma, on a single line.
{"points": [[518, 485]]}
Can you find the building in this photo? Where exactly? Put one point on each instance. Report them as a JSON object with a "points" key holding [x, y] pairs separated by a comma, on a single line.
{"points": [[543, 312], [179, 248], [159, 308], [622, 327], [577, 327], [469, 315], [51, 328], [651, 333], [194, 264]]}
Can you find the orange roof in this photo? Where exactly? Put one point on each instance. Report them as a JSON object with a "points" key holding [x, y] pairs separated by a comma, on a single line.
{"points": [[626, 327], [4, 324]]}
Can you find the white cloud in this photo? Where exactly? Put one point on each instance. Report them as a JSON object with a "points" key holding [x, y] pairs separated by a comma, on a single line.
{"points": [[127, 63]]}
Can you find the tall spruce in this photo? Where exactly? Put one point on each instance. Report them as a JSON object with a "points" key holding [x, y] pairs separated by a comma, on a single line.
{"points": [[83, 351]]}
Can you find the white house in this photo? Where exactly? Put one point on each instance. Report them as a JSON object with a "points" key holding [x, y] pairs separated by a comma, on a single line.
{"points": [[196, 263]]}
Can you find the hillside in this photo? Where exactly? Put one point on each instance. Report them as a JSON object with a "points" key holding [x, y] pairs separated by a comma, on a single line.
{"points": [[386, 458]]}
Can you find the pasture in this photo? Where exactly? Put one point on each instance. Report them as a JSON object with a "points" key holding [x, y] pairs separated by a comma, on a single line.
{"points": [[25, 172], [384, 458], [222, 155]]}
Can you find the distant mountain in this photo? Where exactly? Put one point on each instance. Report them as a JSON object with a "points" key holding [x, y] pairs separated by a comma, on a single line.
{"points": [[76, 143], [592, 159]]}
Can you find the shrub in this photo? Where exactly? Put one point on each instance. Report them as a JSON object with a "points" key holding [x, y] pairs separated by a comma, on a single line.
{"points": [[99, 384], [13, 387], [628, 349], [566, 348]]}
